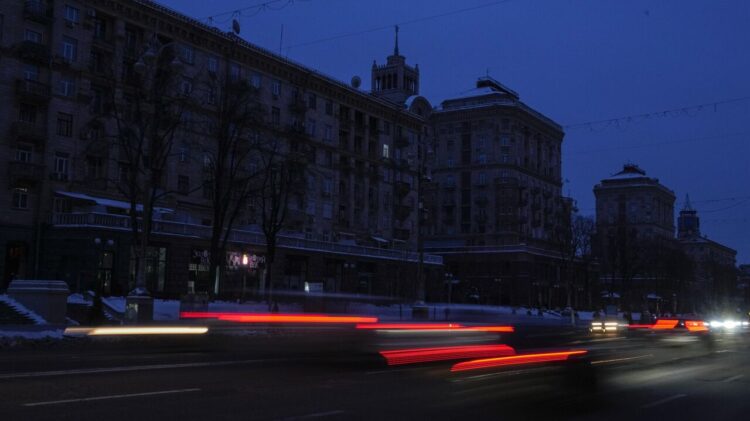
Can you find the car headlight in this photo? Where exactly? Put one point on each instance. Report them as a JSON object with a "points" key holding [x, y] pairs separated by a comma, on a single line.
{"points": [[715, 324], [731, 324]]}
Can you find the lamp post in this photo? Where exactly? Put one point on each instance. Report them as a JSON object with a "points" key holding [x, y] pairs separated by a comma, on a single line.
{"points": [[245, 261], [139, 303]]}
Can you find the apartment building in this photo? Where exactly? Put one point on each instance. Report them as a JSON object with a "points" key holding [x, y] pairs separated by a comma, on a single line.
{"points": [[495, 196], [62, 216]]}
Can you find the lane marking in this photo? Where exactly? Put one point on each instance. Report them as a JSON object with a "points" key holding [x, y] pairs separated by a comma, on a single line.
{"points": [[733, 378], [614, 360], [663, 401], [315, 415], [128, 368], [101, 398]]}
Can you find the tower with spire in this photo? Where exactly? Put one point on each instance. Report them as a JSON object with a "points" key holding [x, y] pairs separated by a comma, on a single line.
{"points": [[688, 223], [395, 81]]}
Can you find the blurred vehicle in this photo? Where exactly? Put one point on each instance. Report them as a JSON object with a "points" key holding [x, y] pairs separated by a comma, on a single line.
{"points": [[729, 323]]}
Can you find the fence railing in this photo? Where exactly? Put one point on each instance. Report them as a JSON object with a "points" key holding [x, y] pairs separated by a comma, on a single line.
{"points": [[123, 222]]}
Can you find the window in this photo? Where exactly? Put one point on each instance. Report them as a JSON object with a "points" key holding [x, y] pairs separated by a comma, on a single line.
{"points": [[27, 114], [505, 140], [386, 128], [276, 87], [482, 179], [20, 199], [32, 36], [94, 167], [311, 127], [211, 95], [329, 107], [31, 72], [65, 124], [327, 187], [61, 205], [131, 40], [72, 14], [208, 190], [184, 153], [310, 208], [70, 49], [187, 54], [23, 153], [255, 80], [100, 29], [186, 86], [275, 116], [123, 172], [327, 210], [386, 152], [212, 64], [62, 162], [328, 133], [312, 101], [235, 72], [183, 184], [66, 87]]}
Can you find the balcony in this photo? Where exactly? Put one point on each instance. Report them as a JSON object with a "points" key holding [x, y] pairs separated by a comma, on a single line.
{"points": [[180, 229], [24, 174], [33, 91], [30, 132], [37, 11], [34, 52]]}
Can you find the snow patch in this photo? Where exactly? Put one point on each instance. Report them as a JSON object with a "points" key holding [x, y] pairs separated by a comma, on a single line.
{"points": [[44, 334]]}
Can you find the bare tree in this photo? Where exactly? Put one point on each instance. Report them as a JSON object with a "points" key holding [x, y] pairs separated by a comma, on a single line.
{"points": [[141, 110], [235, 117], [282, 182]]}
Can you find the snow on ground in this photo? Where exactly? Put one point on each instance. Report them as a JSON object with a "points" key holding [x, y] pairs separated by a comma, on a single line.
{"points": [[23, 310], [27, 334], [78, 299]]}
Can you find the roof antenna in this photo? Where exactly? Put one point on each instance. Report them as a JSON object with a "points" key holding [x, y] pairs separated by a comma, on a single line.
{"points": [[395, 49]]}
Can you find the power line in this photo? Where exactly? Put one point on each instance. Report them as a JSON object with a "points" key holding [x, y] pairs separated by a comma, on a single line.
{"points": [[674, 112], [250, 11], [670, 142], [390, 26]]}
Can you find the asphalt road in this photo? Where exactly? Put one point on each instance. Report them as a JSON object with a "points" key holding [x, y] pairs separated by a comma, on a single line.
{"points": [[325, 375]]}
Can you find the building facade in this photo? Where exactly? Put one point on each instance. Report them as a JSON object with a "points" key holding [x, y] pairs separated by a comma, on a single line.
{"points": [[715, 265], [62, 215], [495, 198]]}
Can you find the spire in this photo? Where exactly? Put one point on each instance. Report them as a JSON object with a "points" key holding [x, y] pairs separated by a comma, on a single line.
{"points": [[687, 207], [395, 49]]}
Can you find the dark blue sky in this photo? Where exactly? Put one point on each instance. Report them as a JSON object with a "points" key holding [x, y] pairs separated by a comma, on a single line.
{"points": [[573, 60]]}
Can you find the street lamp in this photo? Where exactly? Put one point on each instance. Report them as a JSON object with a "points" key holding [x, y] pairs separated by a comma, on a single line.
{"points": [[245, 261]]}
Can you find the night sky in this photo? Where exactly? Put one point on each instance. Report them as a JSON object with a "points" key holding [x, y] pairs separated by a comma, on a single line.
{"points": [[576, 61]]}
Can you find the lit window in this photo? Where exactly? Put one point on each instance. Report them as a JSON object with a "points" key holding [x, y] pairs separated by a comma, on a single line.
{"points": [[386, 152], [276, 87], [62, 163]]}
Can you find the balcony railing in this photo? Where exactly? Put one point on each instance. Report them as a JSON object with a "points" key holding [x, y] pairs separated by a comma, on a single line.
{"points": [[120, 222]]}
